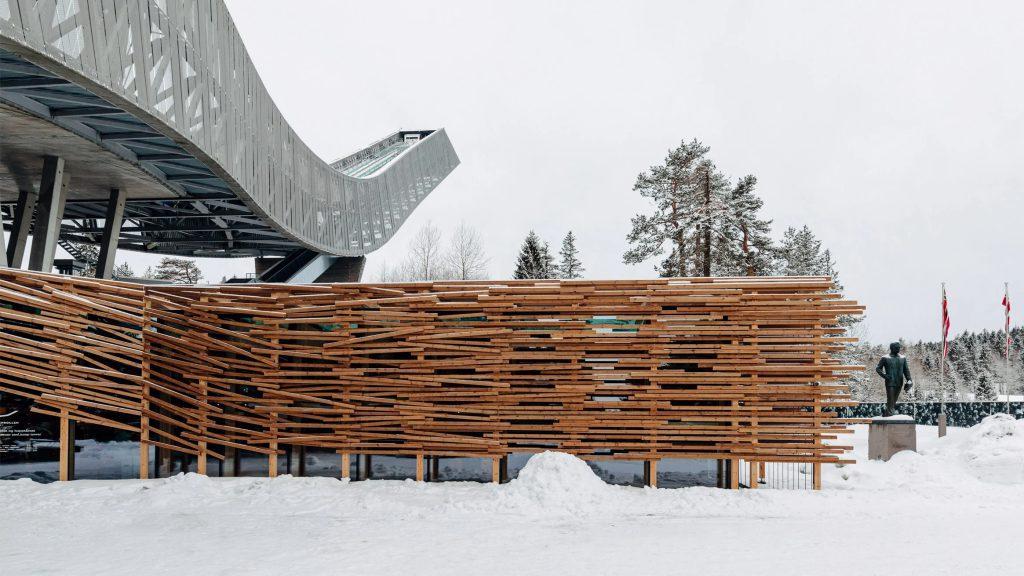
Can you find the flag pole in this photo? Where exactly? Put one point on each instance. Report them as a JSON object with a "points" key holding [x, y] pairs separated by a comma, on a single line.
{"points": [[942, 367], [1006, 377]]}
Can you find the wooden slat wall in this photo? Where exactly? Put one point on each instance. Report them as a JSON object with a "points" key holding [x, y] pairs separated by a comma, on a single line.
{"points": [[74, 345], [729, 368]]}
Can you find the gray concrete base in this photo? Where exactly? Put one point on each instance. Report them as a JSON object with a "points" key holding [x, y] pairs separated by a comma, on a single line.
{"points": [[887, 436], [344, 269]]}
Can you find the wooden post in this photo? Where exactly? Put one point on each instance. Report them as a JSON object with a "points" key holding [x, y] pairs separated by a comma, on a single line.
{"points": [[66, 467], [496, 470], [419, 467], [734, 474], [275, 358], [144, 402], [203, 451], [345, 465], [434, 468], [651, 473], [753, 475], [818, 443]]}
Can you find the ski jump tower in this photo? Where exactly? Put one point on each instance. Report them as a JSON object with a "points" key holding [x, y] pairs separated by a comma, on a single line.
{"points": [[143, 125]]}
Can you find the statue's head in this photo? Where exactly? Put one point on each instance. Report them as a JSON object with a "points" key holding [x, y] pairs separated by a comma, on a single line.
{"points": [[894, 348]]}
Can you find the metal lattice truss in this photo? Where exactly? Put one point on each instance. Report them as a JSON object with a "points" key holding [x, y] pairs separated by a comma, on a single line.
{"points": [[167, 88]]}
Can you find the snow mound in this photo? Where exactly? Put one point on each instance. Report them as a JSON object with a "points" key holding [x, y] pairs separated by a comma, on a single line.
{"points": [[560, 481], [992, 451]]}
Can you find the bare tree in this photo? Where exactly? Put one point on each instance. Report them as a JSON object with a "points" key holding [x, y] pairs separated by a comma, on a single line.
{"points": [[466, 258], [384, 272], [426, 260]]}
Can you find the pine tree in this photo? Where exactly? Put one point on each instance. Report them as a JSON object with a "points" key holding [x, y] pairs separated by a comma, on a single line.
{"points": [[713, 240], [672, 188], [967, 374], [828, 268], [570, 266], [748, 249], [123, 270], [800, 253], [531, 262], [985, 391], [178, 271], [709, 226], [548, 266]]}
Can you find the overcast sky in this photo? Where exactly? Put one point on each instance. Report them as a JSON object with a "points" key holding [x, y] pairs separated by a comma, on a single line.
{"points": [[894, 130]]}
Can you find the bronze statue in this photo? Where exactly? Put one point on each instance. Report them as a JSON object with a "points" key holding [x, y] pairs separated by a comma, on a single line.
{"points": [[895, 370]]}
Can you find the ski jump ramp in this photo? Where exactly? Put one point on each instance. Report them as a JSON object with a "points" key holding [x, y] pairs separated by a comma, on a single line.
{"points": [[154, 106]]}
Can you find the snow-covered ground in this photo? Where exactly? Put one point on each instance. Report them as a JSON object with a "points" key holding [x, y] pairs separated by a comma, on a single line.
{"points": [[955, 508]]}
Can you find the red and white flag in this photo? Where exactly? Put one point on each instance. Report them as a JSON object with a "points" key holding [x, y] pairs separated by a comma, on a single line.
{"points": [[1006, 307], [945, 323]]}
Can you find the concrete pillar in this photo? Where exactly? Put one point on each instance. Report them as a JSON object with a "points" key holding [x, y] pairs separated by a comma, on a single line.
{"points": [[20, 226], [344, 269], [3, 248], [111, 233], [49, 212]]}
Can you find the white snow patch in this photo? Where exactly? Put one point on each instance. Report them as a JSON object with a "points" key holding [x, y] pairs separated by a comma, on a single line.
{"points": [[894, 418], [992, 451], [956, 504], [558, 481]]}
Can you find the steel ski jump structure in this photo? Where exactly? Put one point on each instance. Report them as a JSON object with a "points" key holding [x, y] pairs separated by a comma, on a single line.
{"points": [[143, 125]]}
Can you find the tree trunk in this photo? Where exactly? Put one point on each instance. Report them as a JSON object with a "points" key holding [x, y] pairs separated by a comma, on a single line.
{"points": [[707, 225], [746, 251], [680, 238]]}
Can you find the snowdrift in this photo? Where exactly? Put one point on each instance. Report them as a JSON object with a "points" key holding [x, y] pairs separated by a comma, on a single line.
{"points": [[957, 503], [991, 452]]}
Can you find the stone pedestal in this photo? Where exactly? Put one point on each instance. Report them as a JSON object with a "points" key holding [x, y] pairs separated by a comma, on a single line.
{"points": [[887, 436]]}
